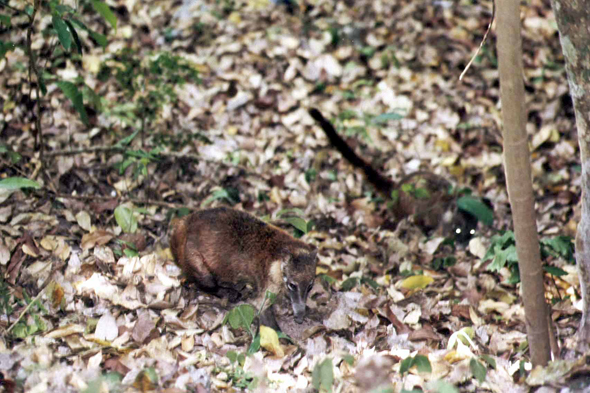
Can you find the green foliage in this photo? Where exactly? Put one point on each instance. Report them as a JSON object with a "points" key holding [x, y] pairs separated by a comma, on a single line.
{"points": [[559, 247], [231, 195], [352, 282], [443, 263], [241, 316], [322, 377], [126, 219], [477, 208], [17, 183], [138, 160], [420, 361], [293, 217], [478, 370], [240, 378], [502, 252], [29, 326], [149, 83], [64, 22], [71, 91], [105, 12]]}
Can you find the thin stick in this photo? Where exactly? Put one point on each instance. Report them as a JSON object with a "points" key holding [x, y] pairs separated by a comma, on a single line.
{"points": [[123, 199], [483, 41], [121, 149], [22, 314]]}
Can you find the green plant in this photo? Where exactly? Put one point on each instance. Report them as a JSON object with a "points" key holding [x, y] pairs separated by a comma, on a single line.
{"points": [[28, 326], [66, 25], [352, 282], [420, 361], [322, 377], [148, 82], [240, 378], [242, 316], [293, 217], [502, 252], [230, 194]]}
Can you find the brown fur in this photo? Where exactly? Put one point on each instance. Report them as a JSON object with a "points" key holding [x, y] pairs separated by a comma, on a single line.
{"points": [[232, 254]]}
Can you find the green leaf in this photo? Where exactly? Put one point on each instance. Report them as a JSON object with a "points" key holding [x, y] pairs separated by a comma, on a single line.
{"points": [[240, 316], [385, 117], [101, 39], [71, 91], [5, 47], [232, 356], [555, 271], [478, 370], [348, 359], [62, 31], [349, 283], [270, 296], [5, 20], [127, 140], [16, 183], [75, 35], [125, 219], [445, 387], [489, 360], [406, 365], [105, 12], [327, 279], [421, 193], [322, 377], [254, 346], [477, 208], [298, 223], [407, 188], [422, 364], [219, 194], [502, 256]]}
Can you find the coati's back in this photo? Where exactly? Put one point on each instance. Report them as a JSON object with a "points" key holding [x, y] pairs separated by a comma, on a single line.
{"points": [[232, 253]]}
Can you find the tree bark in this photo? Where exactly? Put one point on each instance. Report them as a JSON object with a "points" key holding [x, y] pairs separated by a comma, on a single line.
{"points": [[518, 178], [573, 22]]}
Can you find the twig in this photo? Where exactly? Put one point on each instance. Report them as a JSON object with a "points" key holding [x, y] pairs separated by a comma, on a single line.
{"points": [[121, 149], [483, 41], [124, 199], [23, 313]]}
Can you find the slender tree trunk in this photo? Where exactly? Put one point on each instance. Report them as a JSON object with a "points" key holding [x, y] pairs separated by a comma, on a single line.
{"points": [[573, 22], [518, 178]]}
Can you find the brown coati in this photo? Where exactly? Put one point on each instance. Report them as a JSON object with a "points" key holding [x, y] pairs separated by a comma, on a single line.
{"points": [[230, 253], [422, 195]]}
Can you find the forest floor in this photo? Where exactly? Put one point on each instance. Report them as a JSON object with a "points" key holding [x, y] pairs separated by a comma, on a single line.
{"points": [[86, 260]]}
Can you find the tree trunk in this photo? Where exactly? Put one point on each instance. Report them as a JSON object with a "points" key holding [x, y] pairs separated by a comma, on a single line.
{"points": [[573, 22], [518, 179]]}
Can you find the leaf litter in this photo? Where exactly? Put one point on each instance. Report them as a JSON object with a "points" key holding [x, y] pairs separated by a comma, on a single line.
{"points": [[114, 315]]}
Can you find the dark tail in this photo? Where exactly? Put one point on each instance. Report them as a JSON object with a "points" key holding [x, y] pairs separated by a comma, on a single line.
{"points": [[381, 183]]}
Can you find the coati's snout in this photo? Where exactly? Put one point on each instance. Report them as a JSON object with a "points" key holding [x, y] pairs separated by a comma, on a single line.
{"points": [[298, 275]]}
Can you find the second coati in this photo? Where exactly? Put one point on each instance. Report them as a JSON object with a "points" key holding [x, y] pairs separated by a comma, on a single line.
{"points": [[230, 253], [433, 208]]}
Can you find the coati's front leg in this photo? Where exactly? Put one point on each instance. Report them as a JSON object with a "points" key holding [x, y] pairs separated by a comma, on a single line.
{"points": [[268, 318]]}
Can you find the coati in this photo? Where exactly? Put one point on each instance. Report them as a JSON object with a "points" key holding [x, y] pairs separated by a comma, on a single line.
{"points": [[432, 208], [230, 253]]}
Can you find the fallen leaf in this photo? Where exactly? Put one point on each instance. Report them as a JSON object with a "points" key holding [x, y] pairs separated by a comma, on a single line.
{"points": [[269, 340]]}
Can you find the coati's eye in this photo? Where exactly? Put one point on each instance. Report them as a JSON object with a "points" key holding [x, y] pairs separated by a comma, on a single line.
{"points": [[291, 286], [472, 232], [458, 231]]}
